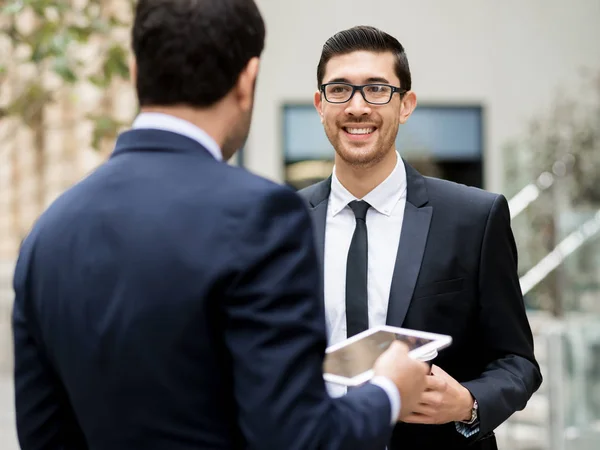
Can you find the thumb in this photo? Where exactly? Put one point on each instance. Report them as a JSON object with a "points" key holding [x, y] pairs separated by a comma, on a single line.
{"points": [[437, 370], [400, 347]]}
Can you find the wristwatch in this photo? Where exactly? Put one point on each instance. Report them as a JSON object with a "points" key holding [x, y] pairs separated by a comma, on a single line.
{"points": [[474, 414]]}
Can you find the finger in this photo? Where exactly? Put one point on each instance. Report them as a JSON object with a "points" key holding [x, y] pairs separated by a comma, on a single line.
{"points": [[435, 384], [425, 410], [425, 368], [399, 346], [430, 398], [437, 370], [418, 418]]}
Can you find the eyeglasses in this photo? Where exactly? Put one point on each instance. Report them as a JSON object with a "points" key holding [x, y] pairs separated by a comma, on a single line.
{"points": [[376, 94]]}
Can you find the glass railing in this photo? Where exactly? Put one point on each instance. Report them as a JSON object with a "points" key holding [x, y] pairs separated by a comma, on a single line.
{"points": [[559, 249]]}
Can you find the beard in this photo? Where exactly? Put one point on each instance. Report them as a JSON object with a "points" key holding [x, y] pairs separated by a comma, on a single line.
{"points": [[362, 154], [368, 156]]}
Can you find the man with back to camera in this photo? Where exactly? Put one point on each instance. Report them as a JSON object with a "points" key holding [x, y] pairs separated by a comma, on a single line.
{"points": [[401, 249], [169, 300]]}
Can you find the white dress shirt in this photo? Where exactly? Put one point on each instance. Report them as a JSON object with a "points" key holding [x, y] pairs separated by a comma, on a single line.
{"points": [[166, 122], [384, 224]]}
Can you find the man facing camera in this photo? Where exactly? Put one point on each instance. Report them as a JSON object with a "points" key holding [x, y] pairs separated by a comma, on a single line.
{"points": [[169, 300], [401, 249]]}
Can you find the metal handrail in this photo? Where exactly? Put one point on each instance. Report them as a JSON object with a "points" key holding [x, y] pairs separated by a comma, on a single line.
{"points": [[532, 191], [586, 231]]}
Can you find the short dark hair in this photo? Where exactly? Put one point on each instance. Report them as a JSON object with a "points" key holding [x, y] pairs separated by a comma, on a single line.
{"points": [[367, 39], [191, 52]]}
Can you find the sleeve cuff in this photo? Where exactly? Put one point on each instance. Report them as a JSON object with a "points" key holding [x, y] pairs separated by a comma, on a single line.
{"points": [[467, 430], [393, 394]]}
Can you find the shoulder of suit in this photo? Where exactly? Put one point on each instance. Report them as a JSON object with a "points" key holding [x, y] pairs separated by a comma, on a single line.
{"points": [[254, 195], [450, 192], [251, 186], [315, 193], [307, 192]]}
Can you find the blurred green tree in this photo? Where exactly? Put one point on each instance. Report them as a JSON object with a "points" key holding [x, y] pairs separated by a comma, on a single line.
{"points": [[69, 42], [53, 31], [560, 153]]}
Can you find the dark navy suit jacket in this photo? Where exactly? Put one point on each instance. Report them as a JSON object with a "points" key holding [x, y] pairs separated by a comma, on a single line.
{"points": [[456, 274], [171, 301]]}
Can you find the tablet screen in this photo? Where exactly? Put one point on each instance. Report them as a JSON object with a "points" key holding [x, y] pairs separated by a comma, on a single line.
{"points": [[360, 356]]}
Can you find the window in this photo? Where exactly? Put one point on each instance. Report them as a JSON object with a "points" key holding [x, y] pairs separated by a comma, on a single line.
{"points": [[447, 137]]}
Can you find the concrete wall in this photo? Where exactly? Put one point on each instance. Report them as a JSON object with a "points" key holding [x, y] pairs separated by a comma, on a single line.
{"points": [[509, 56]]}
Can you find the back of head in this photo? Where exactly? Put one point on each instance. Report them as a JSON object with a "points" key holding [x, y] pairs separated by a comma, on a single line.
{"points": [[365, 38], [191, 52]]}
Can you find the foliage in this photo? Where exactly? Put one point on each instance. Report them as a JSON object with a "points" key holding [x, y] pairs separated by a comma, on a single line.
{"points": [[56, 29], [564, 145], [571, 132]]}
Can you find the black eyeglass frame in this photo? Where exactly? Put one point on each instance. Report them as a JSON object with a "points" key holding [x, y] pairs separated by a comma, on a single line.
{"points": [[360, 88]]}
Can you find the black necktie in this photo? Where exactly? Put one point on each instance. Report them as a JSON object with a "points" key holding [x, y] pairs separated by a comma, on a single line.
{"points": [[357, 310]]}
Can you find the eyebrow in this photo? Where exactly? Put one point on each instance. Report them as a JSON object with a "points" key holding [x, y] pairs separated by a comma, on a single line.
{"points": [[369, 80]]}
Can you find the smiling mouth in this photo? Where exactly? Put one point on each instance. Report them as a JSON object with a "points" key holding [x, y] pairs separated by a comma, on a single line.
{"points": [[359, 131]]}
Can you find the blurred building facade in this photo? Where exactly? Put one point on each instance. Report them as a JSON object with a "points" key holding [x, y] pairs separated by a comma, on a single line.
{"points": [[509, 58]]}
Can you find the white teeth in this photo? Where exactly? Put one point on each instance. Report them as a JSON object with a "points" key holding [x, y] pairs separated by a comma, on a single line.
{"points": [[360, 130]]}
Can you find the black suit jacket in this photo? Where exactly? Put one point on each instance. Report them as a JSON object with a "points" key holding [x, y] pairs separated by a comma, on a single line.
{"points": [[171, 301], [456, 274]]}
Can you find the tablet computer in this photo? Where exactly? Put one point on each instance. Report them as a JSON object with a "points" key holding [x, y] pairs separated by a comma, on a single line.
{"points": [[350, 362]]}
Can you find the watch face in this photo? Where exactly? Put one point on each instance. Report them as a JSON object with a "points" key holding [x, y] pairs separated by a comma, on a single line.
{"points": [[474, 412]]}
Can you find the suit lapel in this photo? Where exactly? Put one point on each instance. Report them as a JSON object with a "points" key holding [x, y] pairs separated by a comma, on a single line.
{"points": [[415, 229], [318, 199]]}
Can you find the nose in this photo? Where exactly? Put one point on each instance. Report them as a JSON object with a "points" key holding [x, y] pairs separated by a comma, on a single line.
{"points": [[357, 106]]}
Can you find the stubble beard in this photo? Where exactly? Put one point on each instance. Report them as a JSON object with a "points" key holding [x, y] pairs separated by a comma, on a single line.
{"points": [[365, 157]]}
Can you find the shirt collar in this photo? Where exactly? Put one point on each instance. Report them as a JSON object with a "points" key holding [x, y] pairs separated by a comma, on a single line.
{"points": [[383, 198], [166, 122]]}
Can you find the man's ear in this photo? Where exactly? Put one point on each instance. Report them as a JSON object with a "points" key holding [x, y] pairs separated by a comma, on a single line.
{"points": [[132, 69], [408, 105], [247, 83], [318, 102]]}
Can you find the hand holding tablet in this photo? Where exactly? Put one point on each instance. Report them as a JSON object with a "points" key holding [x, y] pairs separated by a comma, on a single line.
{"points": [[350, 363]]}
